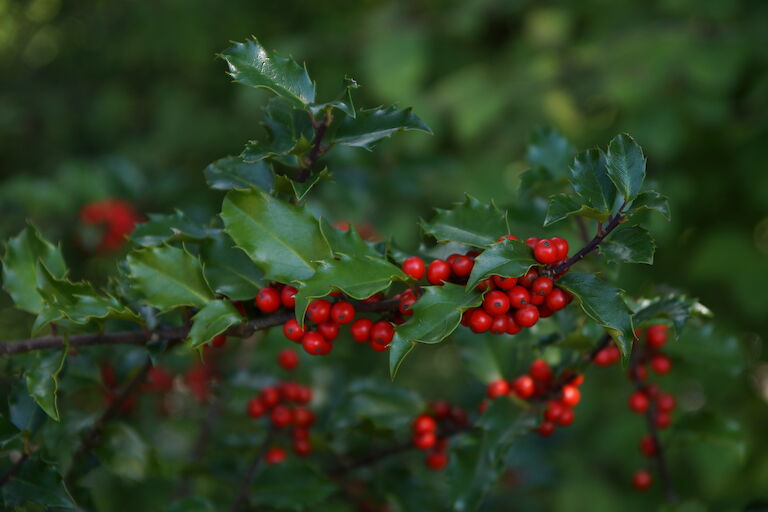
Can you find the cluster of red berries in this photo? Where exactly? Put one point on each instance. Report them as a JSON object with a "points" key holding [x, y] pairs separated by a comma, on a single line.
{"points": [[285, 405], [431, 431], [115, 220], [561, 394]]}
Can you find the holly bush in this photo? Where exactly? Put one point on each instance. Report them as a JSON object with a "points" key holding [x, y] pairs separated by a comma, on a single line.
{"points": [[277, 358]]}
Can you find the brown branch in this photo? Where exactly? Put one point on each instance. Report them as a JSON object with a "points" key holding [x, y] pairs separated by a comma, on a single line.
{"points": [[317, 150], [172, 334], [242, 493]]}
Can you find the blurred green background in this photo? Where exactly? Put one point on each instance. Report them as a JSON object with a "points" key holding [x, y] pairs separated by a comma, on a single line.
{"points": [[126, 99]]}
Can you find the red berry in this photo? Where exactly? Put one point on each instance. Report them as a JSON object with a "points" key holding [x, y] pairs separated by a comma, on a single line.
{"points": [[289, 391], [281, 416], [436, 460], [462, 266], [524, 386], [425, 440], [553, 411], [498, 387], [424, 423], [512, 327], [556, 300], [507, 237], [527, 280], [303, 395], [314, 343], [288, 359], [647, 446], [496, 303], [638, 402], [219, 341], [504, 283], [268, 300], [527, 316], [540, 371], [571, 395], [566, 417], [656, 336], [450, 259], [662, 419], [342, 312], [546, 429], [299, 433], [531, 242], [318, 311], [382, 332], [499, 324], [274, 455], [561, 245], [406, 304], [440, 408], [438, 272], [288, 296], [541, 286], [607, 356], [484, 285], [414, 267], [270, 397], [480, 321], [538, 300], [302, 447], [661, 364], [642, 480], [292, 330], [378, 347], [518, 297], [361, 329], [459, 416], [256, 408], [545, 252], [666, 402], [329, 330], [303, 417]]}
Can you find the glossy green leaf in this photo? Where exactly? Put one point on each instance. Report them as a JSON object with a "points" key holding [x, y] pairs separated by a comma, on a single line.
{"points": [[437, 313], [398, 351], [41, 374], [285, 127], [589, 178], [626, 165], [631, 244], [346, 105], [228, 270], [251, 64], [213, 319], [301, 189], [358, 277], [291, 486], [282, 239], [347, 242], [232, 173], [123, 451], [478, 356], [37, 485], [562, 206], [378, 402], [8, 431], [548, 149], [370, 126], [604, 304], [508, 258], [23, 411], [471, 223], [676, 308], [652, 201], [20, 267], [160, 229], [168, 277]]}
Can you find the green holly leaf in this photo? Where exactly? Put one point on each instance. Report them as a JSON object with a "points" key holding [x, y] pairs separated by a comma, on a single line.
{"points": [[216, 317], [631, 244], [549, 150], [168, 277], [604, 304], [381, 403], [676, 308], [301, 189], [36, 485], [347, 242], [8, 431], [232, 173], [20, 267], [589, 178], [478, 355], [562, 206], [346, 104], [123, 451], [41, 373], [626, 165], [291, 485], [23, 411], [508, 258], [282, 239], [358, 277], [251, 64], [437, 313], [650, 200], [370, 126], [398, 351], [470, 223], [160, 229], [708, 430], [228, 270], [285, 127]]}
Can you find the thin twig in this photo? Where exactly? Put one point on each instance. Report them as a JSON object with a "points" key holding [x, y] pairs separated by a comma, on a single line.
{"points": [[317, 150], [9, 474], [242, 493]]}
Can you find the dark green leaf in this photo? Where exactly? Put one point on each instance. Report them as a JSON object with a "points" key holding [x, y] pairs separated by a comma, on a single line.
{"points": [[626, 165], [213, 319], [382, 403], [8, 431], [231, 172], [709, 429], [508, 258], [589, 178], [228, 269], [650, 201], [191, 504], [437, 313], [37, 486], [398, 350], [251, 64], [347, 242], [24, 413], [470, 223], [123, 451], [676, 308], [169, 277], [358, 277], [562, 206], [160, 229], [604, 304], [20, 267], [372, 125], [42, 377], [285, 126], [282, 239], [301, 189], [290, 485], [549, 150], [479, 358], [631, 244]]}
